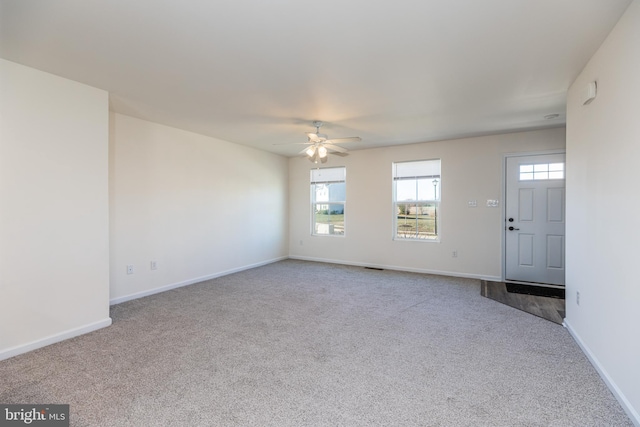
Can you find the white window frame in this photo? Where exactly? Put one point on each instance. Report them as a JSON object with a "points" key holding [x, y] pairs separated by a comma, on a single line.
{"points": [[323, 176], [430, 170], [541, 171]]}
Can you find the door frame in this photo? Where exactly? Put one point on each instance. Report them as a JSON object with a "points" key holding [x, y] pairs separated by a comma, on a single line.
{"points": [[503, 215]]}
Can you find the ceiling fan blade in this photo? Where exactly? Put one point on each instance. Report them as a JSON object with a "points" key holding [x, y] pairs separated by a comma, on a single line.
{"points": [[335, 148], [341, 140]]}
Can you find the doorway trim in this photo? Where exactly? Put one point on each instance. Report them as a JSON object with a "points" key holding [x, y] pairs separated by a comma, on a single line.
{"points": [[503, 215]]}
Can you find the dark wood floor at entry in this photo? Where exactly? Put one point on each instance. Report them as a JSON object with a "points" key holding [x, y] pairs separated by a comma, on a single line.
{"points": [[552, 309]]}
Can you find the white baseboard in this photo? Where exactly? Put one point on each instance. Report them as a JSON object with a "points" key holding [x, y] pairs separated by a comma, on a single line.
{"points": [[398, 268], [624, 402], [52, 339], [190, 281]]}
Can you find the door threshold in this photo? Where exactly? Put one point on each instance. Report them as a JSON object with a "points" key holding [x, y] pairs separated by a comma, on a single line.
{"points": [[552, 291], [541, 285]]}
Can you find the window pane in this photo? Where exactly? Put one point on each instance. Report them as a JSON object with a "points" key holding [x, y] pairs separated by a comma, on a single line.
{"points": [[329, 219], [542, 171], [321, 193], [416, 221], [428, 189], [334, 192], [541, 175], [337, 191], [526, 168], [424, 192], [406, 190]]}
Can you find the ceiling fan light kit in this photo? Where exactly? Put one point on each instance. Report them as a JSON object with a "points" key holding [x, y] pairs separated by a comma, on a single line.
{"points": [[317, 159], [310, 151]]}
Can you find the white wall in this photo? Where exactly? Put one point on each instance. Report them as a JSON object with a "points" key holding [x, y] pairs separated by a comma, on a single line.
{"points": [[54, 230], [198, 206], [472, 168], [603, 207]]}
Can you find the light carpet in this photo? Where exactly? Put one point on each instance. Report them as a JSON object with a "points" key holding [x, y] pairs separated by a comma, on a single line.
{"points": [[299, 343]]}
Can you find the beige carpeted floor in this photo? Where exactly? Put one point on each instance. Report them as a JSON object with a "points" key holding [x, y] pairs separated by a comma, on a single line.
{"points": [[307, 344]]}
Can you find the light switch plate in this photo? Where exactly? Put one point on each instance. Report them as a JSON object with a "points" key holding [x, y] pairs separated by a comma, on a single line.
{"points": [[492, 203]]}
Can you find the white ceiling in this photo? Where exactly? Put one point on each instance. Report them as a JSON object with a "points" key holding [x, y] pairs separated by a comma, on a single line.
{"points": [[258, 72]]}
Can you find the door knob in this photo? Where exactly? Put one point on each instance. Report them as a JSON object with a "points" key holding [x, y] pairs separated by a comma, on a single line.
{"points": [[513, 228]]}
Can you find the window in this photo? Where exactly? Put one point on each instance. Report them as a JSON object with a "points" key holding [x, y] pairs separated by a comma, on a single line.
{"points": [[416, 200], [328, 195], [534, 172]]}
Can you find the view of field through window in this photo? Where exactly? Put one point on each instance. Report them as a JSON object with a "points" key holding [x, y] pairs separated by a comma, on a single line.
{"points": [[416, 199], [416, 221]]}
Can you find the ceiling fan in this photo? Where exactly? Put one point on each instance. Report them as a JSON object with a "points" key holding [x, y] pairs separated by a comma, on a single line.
{"points": [[320, 145]]}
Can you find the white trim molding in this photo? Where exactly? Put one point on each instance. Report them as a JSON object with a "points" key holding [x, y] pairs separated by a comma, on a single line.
{"points": [[188, 282], [52, 339], [398, 268], [622, 399]]}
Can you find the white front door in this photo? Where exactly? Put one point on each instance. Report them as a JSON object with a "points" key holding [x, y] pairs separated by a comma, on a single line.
{"points": [[535, 219]]}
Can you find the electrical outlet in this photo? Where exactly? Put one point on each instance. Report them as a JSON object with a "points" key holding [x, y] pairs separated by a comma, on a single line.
{"points": [[130, 269], [577, 297], [154, 265], [454, 254]]}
